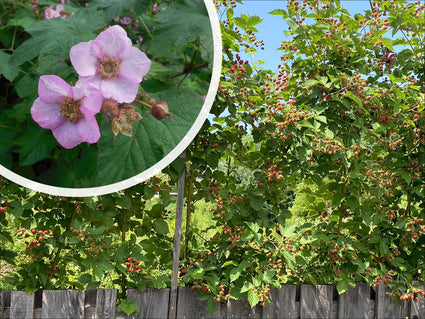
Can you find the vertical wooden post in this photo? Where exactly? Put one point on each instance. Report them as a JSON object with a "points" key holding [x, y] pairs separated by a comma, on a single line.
{"points": [[172, 307]]}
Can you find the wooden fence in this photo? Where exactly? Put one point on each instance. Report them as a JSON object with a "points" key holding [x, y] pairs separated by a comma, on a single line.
{"points": [[292, 301]]}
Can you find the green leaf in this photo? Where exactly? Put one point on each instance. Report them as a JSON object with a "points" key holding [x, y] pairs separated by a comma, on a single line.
{"points": [[55, 37], [247, 286], [228, 263], [211, 306], [268, 276], [129, 306], [9, 71], [388, 43], [85, 278], [256, 203], [35, 145], [114, 9], [7, 133], [342, 286], [252, 298], [180, 24], [235, 273], [161, 226]]}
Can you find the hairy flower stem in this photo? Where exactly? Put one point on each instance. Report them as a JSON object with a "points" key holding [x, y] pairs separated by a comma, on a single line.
{"points": [[144, 104]]}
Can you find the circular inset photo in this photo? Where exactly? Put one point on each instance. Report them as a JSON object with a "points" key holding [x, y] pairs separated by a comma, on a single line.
{"points": [[98, 96]]}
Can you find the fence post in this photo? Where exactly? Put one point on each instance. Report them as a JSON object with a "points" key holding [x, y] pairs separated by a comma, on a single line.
{"points": [[172, 307]]}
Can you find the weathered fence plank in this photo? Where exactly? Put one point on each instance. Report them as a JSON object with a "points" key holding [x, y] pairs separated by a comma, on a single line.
{"points": [[316, 302], [385, 307], [242, 309], [355, 302], [189, 306], [4, 303], [283, 303], [417, 310], [60, 304], [21, 305], [100, 304], [105, 303], [1, 304], [172, 306], [153, 302]]}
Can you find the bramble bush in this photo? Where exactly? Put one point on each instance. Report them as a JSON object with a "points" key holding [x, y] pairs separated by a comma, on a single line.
{"points": [[314, 171]]}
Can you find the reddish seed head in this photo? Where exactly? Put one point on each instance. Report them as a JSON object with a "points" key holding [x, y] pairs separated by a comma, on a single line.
{"points": [[160, 111]]}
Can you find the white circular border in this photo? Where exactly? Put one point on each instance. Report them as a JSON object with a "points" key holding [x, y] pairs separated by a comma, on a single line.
{"points": [[155, 169]]}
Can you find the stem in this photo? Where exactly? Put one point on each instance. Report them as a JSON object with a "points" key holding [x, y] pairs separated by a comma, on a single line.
{"points": [[147, 29], [188, 70], [57, 255], [123, 279], [408, 40], [144, 103], [188, 212], [10, 128], [228, 171], [13, 40], [342, 206]]}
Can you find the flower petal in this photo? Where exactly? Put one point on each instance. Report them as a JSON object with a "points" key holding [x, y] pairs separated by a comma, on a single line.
{"points": [[90, 95], [121, 89], [47, 115], [87, 127], [83, 58], [52, 89], [66, 135], [134, 64], [111, 41]]}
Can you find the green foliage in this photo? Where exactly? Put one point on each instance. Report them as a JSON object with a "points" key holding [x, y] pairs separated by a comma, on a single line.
{"points": [[129, 306]]}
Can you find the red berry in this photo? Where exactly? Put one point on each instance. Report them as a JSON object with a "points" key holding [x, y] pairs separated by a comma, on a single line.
{"points": [[215, 145]]}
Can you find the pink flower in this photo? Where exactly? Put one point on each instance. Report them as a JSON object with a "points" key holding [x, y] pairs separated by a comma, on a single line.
{"points": [[67, 111], [125, 20], [112, 63], [50, 13], [155, 8]]}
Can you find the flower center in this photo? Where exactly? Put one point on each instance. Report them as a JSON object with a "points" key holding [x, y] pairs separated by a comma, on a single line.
{"points": [[70, 109], [108, 67]]}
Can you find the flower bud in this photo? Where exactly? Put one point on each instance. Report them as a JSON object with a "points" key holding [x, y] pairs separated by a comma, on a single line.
{"points": [[109, 107], [160, 111]]}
